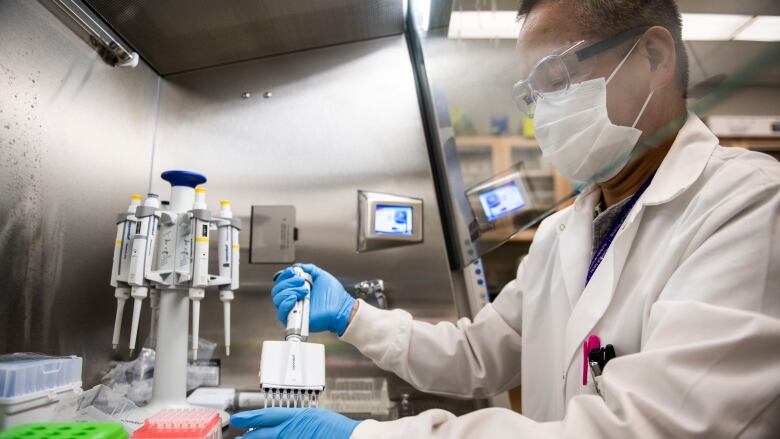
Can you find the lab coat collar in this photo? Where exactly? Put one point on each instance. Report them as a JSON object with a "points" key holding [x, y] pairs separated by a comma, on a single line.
{"points": [[684, 163], [682, 166]]}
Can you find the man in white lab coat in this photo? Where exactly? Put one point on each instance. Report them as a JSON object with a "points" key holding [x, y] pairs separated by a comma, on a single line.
{"points": [[671, 256]]}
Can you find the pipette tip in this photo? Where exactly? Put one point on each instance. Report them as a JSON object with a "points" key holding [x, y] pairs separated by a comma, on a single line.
{"points": [[132, 351], [115, 346], [227, 351]]}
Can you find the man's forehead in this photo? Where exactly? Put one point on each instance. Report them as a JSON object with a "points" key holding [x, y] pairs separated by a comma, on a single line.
{"points": [[547, 27]]}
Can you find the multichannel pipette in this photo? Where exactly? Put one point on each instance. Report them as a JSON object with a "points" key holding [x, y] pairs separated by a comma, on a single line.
{"points": [[292, 372]]}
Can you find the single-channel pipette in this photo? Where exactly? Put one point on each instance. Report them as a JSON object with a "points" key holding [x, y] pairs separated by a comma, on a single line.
{"points": [[125, 227]]}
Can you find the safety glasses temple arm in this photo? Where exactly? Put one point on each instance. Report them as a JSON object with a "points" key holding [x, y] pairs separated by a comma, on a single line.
{"points": [[609, 43]]}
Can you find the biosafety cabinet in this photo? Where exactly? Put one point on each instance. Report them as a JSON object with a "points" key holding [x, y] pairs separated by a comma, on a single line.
{"points": [[314, 118]]}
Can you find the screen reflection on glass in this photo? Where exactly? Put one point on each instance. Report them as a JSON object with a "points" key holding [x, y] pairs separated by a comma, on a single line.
{"points": [[501, 201]]}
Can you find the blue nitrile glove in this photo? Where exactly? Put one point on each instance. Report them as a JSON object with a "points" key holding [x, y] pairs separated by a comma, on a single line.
{"points": [[284, 423], [330, 304]]}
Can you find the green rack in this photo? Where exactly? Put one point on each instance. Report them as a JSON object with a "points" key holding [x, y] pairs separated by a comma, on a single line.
{"points": [[70, 430]]}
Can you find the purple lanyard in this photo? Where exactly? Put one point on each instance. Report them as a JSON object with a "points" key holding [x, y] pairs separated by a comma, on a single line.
{"points": [[601, 251]]}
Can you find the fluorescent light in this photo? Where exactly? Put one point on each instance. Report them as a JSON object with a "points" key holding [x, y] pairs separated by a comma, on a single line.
{"points": [[763, 28], [696, 27], [484, 25], [712, 27]]}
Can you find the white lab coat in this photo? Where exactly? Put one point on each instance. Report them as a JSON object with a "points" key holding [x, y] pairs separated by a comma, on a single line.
{"points": [[688, 293]]}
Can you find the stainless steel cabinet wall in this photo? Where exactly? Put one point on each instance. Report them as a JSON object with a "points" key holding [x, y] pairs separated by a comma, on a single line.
{"points": [[339, 119], [78, 137], [75, 143]]}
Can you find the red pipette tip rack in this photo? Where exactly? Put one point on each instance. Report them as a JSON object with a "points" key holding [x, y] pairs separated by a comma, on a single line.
{"points": [[181, 424]]}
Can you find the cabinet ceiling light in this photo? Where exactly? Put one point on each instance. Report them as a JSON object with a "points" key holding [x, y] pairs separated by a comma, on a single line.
{"points": [[110, 47]]}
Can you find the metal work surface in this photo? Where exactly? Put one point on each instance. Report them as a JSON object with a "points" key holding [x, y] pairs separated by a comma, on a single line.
{"points": [[182, 35], [338, 120], [75, 142]]}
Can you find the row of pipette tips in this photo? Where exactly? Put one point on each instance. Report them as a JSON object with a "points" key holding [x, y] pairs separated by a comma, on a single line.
{"points": [[290, 398]]}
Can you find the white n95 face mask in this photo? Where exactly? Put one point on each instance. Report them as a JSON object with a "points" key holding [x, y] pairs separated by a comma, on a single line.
{"points": [[576, 135]]}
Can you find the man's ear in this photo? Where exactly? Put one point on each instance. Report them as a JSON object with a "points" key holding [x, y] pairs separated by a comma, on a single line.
{"points": [[660, 50]]}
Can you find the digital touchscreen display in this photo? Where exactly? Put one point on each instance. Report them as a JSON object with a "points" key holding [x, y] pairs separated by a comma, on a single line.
{"points": [[501, 200], [393, 220]]}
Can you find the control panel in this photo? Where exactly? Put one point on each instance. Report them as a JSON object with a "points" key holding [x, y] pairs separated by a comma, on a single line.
{"points": [[387, 220]]}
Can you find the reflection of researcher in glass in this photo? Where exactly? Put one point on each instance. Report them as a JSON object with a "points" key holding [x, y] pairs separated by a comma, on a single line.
{"points": [[671, 257]]}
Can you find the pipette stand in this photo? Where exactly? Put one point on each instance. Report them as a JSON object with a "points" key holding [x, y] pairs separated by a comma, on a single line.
{"points": [[170, 377], [176, 276]]}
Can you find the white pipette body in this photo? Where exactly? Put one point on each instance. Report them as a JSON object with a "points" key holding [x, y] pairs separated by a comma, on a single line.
{"points": [[141, 259], [125, 227], [200, 264], [228, 265]]}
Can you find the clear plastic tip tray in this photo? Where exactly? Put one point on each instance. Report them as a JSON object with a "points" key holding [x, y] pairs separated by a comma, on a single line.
{"points": [[25, 375]]}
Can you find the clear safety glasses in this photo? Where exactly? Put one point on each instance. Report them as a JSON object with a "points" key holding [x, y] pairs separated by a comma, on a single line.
{"points": [[570, 64]]}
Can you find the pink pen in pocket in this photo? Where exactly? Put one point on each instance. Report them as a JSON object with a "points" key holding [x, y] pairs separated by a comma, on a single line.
{"points": [[593, 342]]}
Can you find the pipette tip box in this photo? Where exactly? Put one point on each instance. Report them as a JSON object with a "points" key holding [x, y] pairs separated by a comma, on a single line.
{"points": [[71, 430], [26, 375], [182, 424], [31, 385]]}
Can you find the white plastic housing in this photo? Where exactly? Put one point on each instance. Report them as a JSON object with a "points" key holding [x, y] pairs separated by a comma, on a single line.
{"points": [[166, 249], [138, 255], [236, 259], [119, 245], [228, 257], [292, 365], [200, 260], [124, 235], [143, 245], [224, 253]]}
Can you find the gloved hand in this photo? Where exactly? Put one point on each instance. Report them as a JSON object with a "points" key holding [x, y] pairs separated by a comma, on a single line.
{"points": [[284, 423], [330, 305]]}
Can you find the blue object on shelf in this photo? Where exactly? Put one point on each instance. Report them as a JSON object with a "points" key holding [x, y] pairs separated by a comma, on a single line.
{"points": [[499, 125]]}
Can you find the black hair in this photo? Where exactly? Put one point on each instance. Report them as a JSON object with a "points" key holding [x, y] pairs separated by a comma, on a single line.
{"points": [[609, 17]]}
